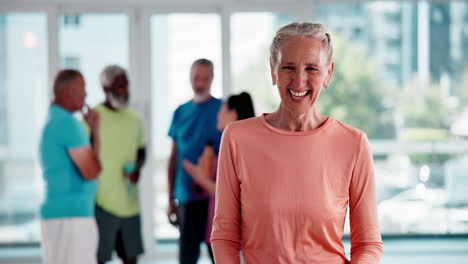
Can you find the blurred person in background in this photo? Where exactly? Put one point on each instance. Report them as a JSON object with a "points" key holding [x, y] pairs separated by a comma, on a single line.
{"points": [[122, 156], [70, 165], [193, 125], [236, 107]]}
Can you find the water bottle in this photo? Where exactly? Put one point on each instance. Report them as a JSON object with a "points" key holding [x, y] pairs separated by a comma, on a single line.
{"points": [[129, 168]]}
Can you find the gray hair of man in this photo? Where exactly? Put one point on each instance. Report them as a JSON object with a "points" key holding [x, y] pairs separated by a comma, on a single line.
{"points": [[109, 74], [309, 30], [204, 62]]}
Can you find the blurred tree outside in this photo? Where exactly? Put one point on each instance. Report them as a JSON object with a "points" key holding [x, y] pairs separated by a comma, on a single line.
{"points": [[356, 96], [427, 117], [424, 106]]}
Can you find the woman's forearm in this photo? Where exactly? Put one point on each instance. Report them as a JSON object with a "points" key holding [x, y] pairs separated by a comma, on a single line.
{"points": [[207, 184], [226, 252]]}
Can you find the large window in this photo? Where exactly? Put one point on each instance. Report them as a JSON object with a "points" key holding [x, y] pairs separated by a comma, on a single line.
{"points": [[23, 106], [175, 44], [90, 42], [400, 76]]}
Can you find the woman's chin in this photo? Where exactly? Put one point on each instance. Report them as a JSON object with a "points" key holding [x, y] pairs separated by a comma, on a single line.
{"points": [[297, 109]]}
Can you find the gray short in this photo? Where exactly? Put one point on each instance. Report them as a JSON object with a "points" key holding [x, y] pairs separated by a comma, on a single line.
{"points": [[121, 234]]}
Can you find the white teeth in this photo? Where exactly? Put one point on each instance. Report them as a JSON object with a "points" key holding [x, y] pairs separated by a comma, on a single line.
{"points": [[298, 94]]}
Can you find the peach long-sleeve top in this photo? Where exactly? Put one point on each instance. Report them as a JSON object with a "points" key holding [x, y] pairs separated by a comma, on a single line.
{"points": [[282, 196]]}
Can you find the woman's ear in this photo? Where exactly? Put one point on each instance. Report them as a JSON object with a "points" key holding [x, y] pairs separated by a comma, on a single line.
{"points": [[330, 71], [273, 71]]}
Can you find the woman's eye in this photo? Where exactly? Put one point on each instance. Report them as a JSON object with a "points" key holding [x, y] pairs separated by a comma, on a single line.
{"points": [[287, 68]]}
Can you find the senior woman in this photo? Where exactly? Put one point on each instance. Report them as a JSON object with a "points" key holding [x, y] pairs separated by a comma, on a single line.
{"points": [[286, 179]]}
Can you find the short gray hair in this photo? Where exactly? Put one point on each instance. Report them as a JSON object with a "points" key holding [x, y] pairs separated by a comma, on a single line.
{"points": [[204, 62], [109, 74], [64, 78], [310, 30]]}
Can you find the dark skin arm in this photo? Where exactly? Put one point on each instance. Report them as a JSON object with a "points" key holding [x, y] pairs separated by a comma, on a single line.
{"points": [[171, 172], [141, 157]]}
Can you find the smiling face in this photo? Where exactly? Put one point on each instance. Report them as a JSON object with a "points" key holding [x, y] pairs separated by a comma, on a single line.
{"points": [[300, 72]]}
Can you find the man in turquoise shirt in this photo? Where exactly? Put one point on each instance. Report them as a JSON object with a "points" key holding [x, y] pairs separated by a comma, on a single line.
{"points": [[69, 165]]}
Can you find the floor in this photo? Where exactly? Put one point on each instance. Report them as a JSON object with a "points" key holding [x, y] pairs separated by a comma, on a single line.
{"points": [[399, 251]]}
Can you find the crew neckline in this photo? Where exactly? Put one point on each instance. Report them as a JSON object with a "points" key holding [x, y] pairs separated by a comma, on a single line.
{"points": [[296, 133], [203, 103], [106, 109]]}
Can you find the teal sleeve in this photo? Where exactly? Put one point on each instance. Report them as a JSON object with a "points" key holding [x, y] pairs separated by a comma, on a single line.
{"points": [[173, 128], [73, 134]]}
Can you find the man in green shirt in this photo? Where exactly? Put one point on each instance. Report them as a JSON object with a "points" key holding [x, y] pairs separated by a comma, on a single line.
{"points": [[122, 157]]}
